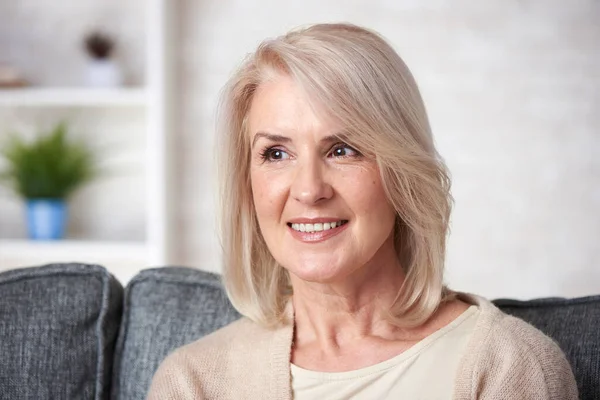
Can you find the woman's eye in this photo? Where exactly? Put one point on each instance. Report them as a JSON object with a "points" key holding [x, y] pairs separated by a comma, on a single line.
{"points": [[344, 151], [275, 155]]}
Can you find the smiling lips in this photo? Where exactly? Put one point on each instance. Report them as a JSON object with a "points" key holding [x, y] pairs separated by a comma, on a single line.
{"points": [[316, 231]]}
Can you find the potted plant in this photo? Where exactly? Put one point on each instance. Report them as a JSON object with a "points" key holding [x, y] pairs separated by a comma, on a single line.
{"points": [[45, 172], [102, 70]]}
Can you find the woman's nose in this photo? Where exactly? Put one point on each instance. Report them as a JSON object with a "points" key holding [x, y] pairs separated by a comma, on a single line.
{"points": [[310, 186]]}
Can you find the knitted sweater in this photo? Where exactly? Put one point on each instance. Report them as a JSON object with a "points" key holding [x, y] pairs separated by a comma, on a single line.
{"points": [[506, 358]]}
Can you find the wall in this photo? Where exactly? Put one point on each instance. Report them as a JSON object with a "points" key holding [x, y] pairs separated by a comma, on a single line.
{"points": [[513, 92], [512, 88]]}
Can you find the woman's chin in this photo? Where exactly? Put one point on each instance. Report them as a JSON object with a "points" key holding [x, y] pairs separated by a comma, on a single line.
{"points": [[320, 273]]}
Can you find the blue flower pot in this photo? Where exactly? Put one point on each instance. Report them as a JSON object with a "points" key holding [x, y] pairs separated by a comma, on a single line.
{"points": [[46, 219]]}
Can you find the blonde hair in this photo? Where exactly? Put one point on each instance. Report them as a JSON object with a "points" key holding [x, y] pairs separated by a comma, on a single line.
{"points": [[356, 78]]}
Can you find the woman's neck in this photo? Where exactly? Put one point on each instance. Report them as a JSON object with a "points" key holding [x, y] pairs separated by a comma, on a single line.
{"points": [[333, 314]]}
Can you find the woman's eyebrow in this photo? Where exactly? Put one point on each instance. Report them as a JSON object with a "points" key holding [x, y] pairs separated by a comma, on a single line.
{"points": [[271, 137], [338, 137]]}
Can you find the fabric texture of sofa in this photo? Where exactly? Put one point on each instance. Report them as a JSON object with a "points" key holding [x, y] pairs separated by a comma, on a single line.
{"points": [[70, 331], [58, 326], [165, 308]]}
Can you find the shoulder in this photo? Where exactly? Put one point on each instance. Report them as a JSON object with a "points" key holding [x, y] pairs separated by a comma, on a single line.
{"points": [[508, 357], [206, 367]]}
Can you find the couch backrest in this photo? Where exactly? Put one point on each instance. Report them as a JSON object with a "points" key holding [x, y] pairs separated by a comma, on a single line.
{"points": [[59, 323], [575, 325], [58, 327], [168, 307], [164, 308]]}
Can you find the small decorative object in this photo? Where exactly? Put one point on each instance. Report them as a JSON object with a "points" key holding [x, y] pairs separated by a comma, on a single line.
{"points": [[45, 172], [102, 70], [10, 77]]}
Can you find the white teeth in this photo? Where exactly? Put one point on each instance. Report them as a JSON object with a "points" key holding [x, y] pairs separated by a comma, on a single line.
{"points": [[318, 227]]}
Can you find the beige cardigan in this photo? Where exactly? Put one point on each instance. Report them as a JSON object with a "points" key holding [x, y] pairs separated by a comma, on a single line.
{"points": [[506, 358]]}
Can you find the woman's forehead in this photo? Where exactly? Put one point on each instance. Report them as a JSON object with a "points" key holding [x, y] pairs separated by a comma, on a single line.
{"points": [[282, 107]]}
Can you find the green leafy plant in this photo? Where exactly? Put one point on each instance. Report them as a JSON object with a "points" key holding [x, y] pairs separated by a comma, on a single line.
{"points": [[51, 166]]}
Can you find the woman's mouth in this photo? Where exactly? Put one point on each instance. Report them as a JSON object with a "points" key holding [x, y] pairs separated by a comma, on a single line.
{"points": [[317, 227], [318, 231]]}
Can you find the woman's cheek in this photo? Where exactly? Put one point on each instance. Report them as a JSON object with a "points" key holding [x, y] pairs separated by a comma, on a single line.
{"points": [[268, 192], [359, 183]]}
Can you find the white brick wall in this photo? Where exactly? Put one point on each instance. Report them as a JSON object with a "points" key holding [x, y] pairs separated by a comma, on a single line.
{"points": [[513, 92], [512, 88]]}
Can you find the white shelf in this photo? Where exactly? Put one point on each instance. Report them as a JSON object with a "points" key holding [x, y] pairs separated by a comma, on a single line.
{"points": [[71, 250], [34, 97], [122, 259]]}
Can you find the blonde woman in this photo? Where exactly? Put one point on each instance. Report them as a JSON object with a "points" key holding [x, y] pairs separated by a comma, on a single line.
{"points": [[335, 216]]}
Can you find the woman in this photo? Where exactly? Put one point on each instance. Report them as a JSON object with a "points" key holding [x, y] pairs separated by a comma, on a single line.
{"points": [[335, 214]]}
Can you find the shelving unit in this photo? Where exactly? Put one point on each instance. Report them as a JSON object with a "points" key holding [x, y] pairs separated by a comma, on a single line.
{"points": [[124, 258]]}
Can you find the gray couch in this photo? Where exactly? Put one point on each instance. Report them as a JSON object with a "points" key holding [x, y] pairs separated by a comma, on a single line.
{"points": [[70, 331]]}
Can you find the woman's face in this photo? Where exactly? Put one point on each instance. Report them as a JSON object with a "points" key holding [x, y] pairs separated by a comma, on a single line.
{"points": [[320, 204]]}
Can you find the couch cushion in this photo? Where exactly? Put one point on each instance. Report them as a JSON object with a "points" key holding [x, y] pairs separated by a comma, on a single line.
{"points": [[58, 326], [165, 308], [575, 325]]}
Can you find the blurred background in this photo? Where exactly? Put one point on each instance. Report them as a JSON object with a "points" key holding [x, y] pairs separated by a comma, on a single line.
{"points": [[512, 89]]}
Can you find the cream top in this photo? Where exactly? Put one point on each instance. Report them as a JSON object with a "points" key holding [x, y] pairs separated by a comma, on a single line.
{"points": [[427, 370]]}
